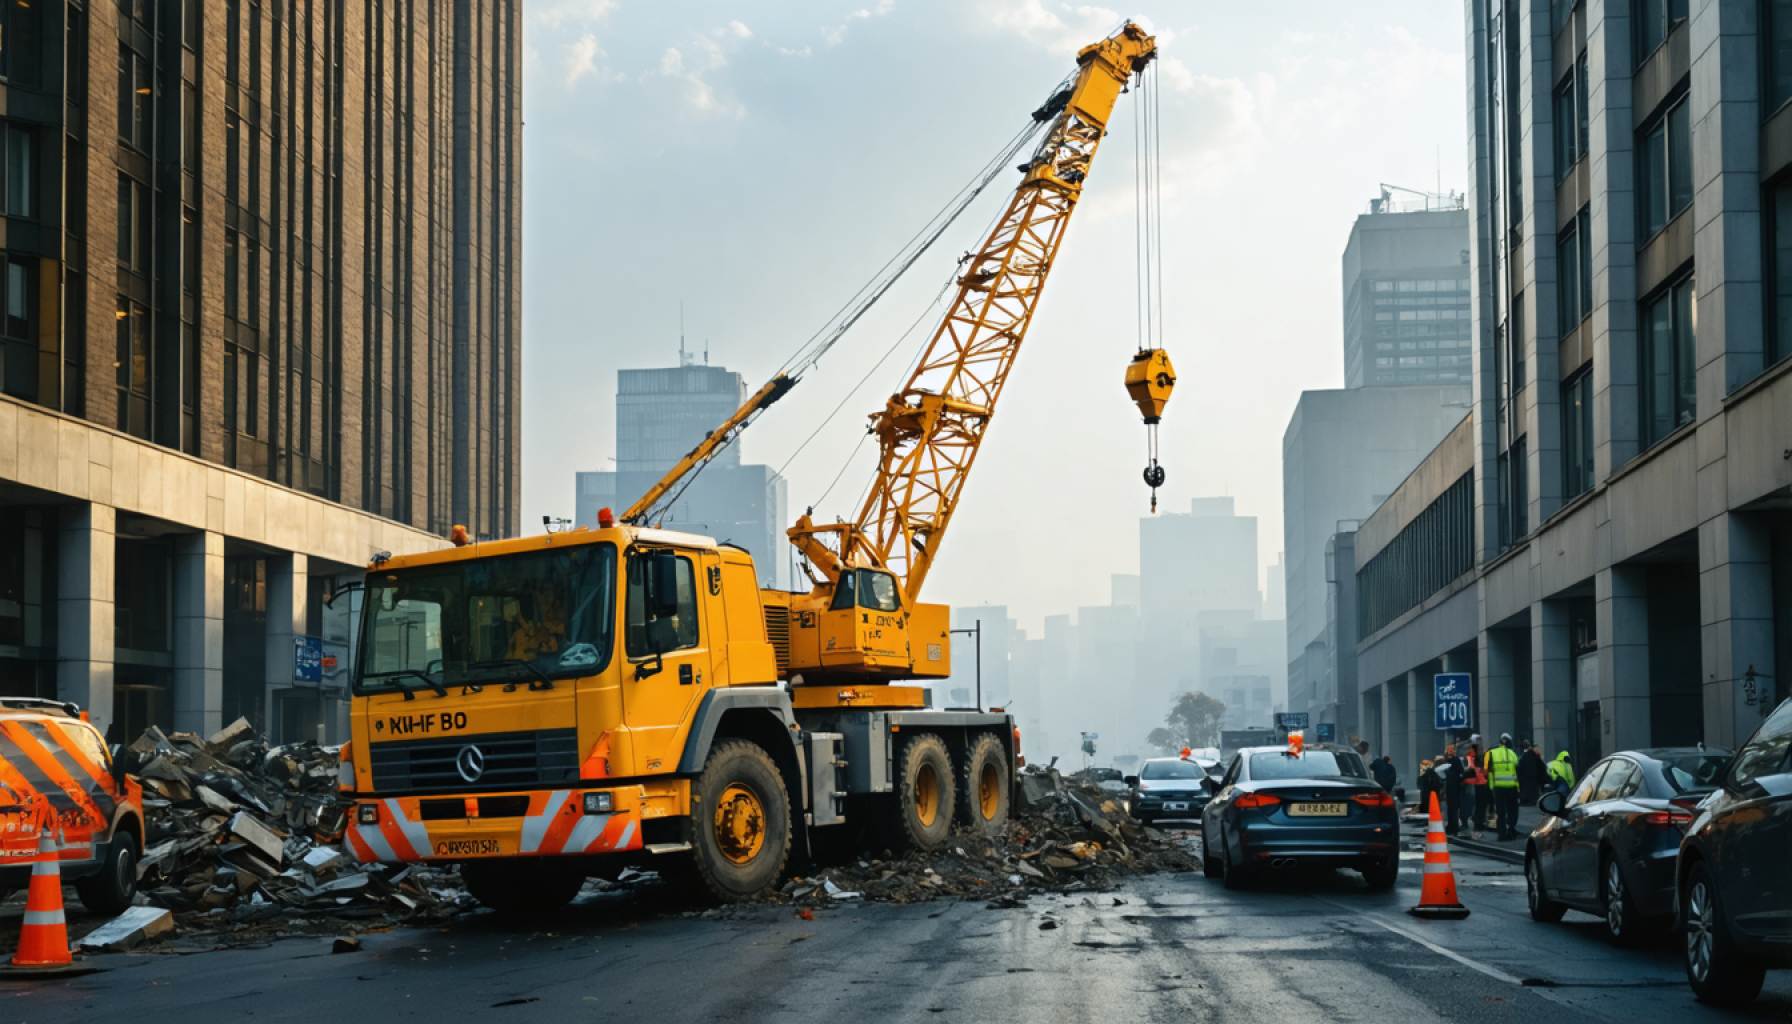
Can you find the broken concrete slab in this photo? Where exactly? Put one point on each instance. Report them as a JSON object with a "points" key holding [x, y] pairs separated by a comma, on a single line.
{"points": [[128, 929], [258, 836]]}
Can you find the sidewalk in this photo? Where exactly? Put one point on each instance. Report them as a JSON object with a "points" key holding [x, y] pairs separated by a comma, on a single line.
{"points": [[1511, 851]]}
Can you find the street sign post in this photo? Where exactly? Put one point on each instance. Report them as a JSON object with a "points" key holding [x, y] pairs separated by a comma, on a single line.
{"points": [[307, 659], [1289, 721], [1453, 699], [1328, 732]]}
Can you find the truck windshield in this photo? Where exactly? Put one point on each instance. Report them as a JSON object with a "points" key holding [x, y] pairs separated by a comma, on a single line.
{"points": [[512, 619]]}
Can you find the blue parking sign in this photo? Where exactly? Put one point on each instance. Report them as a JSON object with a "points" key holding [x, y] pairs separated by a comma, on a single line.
{"points": [[1454, 693], [307, 659]]}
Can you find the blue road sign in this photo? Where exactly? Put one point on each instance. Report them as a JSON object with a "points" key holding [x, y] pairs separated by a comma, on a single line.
{"points": [[1328, 732], [1454, 697], [1288, 721], [307, 659]]}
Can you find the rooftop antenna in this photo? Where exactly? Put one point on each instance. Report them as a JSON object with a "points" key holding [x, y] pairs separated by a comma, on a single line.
{"points": [[705, 351], [681, 358]]}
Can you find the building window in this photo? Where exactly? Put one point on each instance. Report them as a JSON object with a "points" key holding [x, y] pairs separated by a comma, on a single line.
{"points": [[1777, 52], [18, 327], [1574, 274], [1577, 434], [133, 368], [1655, 19], [133, 224], [1779, 254], [134, 94], [1668, 325], [19, 42], [1664, 169], [1560, 13], [1567, 126], [19, 173]]}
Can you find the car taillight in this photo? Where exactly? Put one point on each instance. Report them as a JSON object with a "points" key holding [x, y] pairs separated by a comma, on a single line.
{"points": [[1373, 799], [1253, 800], [1662, 819]]}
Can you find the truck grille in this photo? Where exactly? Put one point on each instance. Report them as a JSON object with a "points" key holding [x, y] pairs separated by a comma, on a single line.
{"points": [[777, 630], [513, 760]]}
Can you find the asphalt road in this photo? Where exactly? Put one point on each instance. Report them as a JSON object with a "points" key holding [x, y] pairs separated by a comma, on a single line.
{"points": [[1173, 948]]}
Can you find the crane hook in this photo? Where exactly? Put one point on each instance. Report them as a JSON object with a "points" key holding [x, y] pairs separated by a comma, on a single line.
{"points": [[1149, 380]]}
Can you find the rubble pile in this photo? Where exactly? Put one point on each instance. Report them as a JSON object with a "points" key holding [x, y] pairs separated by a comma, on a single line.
{"points": [[1066, 836], [239, 832]]}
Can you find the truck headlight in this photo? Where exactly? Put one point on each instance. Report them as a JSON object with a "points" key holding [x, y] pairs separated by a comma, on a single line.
{"points": [[599, 803], [368, 814]]}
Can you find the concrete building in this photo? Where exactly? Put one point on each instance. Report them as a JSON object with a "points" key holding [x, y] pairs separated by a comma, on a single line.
{"points": [[1191, 562], [1405, 276], [1603, 542], [1343, 452], [661, 414], [262, 320]]}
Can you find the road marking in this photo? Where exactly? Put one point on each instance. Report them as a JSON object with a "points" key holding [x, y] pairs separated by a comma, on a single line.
{"points": [[1475, 965]]}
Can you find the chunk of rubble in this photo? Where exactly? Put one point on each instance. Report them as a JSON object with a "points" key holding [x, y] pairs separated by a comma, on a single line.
{"points": [[128, 929]]}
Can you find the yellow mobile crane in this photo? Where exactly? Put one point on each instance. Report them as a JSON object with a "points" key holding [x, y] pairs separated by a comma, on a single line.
{"points": [[547, 708]]}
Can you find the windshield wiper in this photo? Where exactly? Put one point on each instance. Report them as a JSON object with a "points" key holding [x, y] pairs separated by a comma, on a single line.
{"points": [[540, 682], [410, 692]]}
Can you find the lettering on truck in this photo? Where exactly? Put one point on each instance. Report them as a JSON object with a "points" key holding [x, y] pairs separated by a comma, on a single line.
{"points": [[427, 723]]}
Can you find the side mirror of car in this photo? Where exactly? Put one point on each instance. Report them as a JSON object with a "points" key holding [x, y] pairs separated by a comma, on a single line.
{"points": [[1552, 803], [1132, 781], [1210, 785]]}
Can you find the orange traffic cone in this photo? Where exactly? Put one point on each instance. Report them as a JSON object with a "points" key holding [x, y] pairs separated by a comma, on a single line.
{"points": [[1437, 898], [43, 939]]}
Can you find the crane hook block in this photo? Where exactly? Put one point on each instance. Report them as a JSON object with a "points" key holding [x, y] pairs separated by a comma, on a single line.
{"points": [[1149, 380]]}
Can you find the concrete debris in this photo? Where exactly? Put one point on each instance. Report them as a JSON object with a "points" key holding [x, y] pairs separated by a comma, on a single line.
{"points": [[244, 837], [1067, 837], [128, 929]]}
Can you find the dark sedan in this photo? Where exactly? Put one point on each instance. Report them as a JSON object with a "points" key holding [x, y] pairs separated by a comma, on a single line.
{"points": [[1609, 847], [1169, 787], [1276, 809], [1735, 871]]}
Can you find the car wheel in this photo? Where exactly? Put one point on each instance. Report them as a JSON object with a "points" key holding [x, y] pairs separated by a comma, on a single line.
{"points": [[111, 889], [1622, 924], [1542, 907], [1382, 874], [1716, 969], [1235, 876]]}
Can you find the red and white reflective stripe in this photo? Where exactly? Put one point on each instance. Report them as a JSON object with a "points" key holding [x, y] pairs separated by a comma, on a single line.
{"points": [[1433, 846], [1436, 869], [587, 834], [535, 826]]}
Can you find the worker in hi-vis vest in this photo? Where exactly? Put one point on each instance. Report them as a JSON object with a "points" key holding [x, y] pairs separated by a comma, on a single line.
{"points": [[1502, 777]]}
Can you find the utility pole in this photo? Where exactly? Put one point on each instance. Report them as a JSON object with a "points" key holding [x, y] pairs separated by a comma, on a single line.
{"points": [[978, 633]]}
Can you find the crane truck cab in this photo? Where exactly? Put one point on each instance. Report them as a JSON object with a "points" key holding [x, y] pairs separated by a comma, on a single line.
{"points": [[549, 708]]}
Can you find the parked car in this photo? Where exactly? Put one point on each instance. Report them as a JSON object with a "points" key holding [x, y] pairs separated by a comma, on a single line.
{"points": [[1734, 878], [1276, 808], [1609, 847], [1169, 787]]}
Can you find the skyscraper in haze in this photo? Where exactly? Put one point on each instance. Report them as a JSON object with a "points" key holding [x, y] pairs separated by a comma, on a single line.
{"points": [[661, 414], [1405, 271]]}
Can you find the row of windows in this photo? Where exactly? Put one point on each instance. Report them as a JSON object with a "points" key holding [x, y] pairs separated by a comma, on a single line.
{"points": [[1434, 299], [1574, 273], [1418, 285], [1433, 549], [1425, 345], [1423, 314]]}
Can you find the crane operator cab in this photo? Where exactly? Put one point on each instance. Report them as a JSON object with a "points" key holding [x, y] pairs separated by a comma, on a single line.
{"points": [[863, 624]]}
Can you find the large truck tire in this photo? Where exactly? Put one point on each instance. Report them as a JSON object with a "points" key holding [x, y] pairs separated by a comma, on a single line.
{"points": [[111, 889], [924, 793], [984, 786], [740, 830], [514, 888]]}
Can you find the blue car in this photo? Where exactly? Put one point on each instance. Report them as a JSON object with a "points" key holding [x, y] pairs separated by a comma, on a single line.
{"points": [[1276, 809]]}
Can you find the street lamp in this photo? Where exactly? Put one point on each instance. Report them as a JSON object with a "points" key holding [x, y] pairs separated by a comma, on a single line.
{"points": [[978, 633]]}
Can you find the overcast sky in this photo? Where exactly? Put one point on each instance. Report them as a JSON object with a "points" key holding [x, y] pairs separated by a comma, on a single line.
{"points": [[759, 161]]}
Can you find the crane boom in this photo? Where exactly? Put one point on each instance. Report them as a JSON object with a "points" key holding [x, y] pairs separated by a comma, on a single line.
{"points": [[929, 432], [706, 449]]}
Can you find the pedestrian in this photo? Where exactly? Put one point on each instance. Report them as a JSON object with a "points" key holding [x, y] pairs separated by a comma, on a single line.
{"points": [[1561, 773], [1362, 748], [1472, 774], [1502, 779], [1427, 782], [1449, 771], [1531, 773], [1383, 770]]}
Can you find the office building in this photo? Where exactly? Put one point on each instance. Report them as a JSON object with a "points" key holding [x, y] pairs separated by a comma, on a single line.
{"points": [[1343, 452], [661, 414], [262, 319], [1405, 276], [1603, 543]]}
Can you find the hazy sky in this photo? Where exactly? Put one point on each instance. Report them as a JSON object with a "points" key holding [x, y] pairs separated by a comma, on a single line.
{"points": [[760, 160]]}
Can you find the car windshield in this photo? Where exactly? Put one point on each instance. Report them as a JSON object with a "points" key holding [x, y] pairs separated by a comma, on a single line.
{"points": [[1694, 771], [513, 618], [1171, 770], [1314, 764]]}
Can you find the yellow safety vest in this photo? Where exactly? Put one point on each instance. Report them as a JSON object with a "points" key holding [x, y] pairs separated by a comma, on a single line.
{"points": [[1502, 764]]}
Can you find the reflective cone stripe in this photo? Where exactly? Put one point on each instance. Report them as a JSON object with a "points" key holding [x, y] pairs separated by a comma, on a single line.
{"points": [[1437, 894], [560, 829], [43, 937]]}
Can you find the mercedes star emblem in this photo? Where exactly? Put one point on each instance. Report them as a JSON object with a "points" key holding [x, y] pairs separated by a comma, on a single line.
{"points": [[470, 763]]}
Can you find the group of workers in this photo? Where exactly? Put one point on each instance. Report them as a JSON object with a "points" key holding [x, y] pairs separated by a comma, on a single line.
{"points": [[1476, 784]]}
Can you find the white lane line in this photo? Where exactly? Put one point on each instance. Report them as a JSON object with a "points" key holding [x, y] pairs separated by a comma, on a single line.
{"points": [[1474, 965]]}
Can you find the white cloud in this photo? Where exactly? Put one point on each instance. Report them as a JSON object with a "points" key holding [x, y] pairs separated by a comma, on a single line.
{"points": [[738, 29], [834, 35], [699, 95], [581, 59], [1058, 27]]}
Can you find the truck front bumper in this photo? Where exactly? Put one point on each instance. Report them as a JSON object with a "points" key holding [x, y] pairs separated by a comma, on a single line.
{"points": [[544, 823]]}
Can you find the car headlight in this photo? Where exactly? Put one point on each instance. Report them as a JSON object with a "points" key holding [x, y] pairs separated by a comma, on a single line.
{"points": [[599, 803]]}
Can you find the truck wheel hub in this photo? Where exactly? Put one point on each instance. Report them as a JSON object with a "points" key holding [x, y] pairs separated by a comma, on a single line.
{"points": [[740, 824]]}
